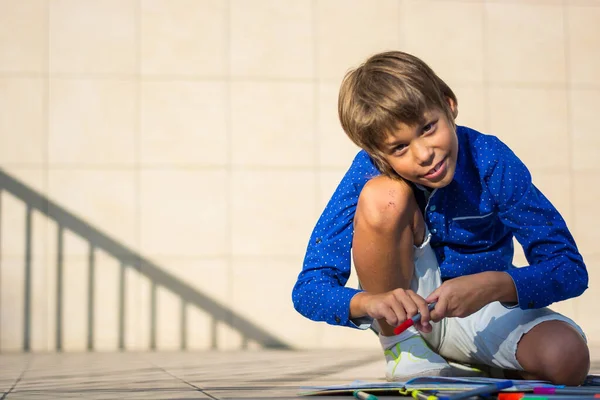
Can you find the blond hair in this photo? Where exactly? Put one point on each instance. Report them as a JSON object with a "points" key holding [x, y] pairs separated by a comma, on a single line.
{"points": [[387, 89]]}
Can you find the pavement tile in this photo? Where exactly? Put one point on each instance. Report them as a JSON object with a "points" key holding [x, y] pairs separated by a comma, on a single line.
{"points": [[189, 375]]}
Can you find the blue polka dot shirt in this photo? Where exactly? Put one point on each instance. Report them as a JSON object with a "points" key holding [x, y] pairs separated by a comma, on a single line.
{"points": [[472, 221]]}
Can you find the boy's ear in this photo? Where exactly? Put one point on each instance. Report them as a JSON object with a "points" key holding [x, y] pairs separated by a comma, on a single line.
{"points": [[453, 106]]}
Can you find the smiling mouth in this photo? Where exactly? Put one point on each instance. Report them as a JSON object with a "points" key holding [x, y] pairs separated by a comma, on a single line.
{"points": [[435, 169]]}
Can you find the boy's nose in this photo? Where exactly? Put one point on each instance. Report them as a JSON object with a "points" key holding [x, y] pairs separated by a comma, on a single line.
{"points": [[423, 154]]}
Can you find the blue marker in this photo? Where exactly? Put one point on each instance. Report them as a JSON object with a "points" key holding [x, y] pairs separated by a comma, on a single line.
{"points": [[411, 321], [486, 389]]}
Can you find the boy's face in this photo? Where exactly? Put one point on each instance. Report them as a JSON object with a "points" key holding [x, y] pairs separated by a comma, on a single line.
{"points": [[425, 153]]}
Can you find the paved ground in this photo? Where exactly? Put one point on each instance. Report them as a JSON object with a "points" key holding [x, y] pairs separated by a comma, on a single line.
{"points": [[202, 375]]}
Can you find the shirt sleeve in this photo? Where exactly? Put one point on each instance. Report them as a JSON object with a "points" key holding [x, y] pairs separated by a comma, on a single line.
{"points": [[556, 270], [320, 293]]}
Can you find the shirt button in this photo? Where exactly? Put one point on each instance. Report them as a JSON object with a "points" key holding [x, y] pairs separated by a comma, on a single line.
{"points": [[432, 208], [434, 230], [337, 319]]}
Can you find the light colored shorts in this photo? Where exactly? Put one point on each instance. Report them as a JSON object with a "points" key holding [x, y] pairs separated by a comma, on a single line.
{"points": [[489, 336]]}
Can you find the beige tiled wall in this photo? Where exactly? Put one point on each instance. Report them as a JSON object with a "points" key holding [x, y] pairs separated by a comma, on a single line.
{"points": [[202, 136]]}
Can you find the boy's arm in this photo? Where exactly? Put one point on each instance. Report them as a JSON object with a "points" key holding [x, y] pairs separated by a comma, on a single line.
{"points": [[319, 293], [556, 270]]}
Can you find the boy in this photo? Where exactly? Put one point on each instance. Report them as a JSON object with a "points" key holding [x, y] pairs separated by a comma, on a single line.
{"points": [[429, 211]]}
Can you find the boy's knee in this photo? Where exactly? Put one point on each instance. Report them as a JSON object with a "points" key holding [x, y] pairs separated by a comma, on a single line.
{"points": [[385, 204], [571, 364], [561, 354]]}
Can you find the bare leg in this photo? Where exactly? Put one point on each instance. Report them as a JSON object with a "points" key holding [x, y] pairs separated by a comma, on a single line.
{"points": [[554, 351], [386, 223]]}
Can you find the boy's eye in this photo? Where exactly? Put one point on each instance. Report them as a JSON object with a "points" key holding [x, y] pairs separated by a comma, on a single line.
{"points": [[429, 127], [399, 148]]}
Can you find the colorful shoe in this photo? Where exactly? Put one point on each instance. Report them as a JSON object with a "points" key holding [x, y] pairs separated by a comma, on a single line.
{"points": [[467, 370], [411, 358]]}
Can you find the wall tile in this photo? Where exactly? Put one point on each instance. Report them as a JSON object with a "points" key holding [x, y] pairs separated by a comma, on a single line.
{"points": [[191, 220], [107, 336], [39, 306], [472, 106], [75, 304], [584, 136], [103, 199], [567, 308], [533, 122], [532, 2], [92, 122], [22, 121], [211, 279], [345, 40], [81, 43], [519, 259], [273, 39], [168, 320], [184, 123], [453, 44], [184, 37], [251, 292], [525, 43], [107, 308], [12, 318], [583, 3], [272, 123], [23, 30], [557, 187], [586, 197], [272, 211], [13, 229], [337, 337], [584, 44], [184, 212], [335, 147], [328, 183]]}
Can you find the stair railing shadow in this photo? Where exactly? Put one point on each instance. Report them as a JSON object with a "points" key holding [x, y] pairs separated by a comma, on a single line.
{"points": [[128, 258]]}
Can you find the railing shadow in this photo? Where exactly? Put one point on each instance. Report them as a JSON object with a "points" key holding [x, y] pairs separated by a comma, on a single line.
{"points": [[98, 240]]}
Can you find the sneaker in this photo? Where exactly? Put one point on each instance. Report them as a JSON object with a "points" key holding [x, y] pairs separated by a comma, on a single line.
{"points": [[467, 370], [411, 358]]}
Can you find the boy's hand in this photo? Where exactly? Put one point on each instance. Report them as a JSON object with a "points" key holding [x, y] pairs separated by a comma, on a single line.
{"points": [[465, 295], [396, 306]]}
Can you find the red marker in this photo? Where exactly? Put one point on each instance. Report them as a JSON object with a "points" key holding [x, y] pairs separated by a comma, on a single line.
{"points": [[411, 321]]}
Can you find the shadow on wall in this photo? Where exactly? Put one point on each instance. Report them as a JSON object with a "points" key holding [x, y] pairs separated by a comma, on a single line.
{"points": [[98, 240]]}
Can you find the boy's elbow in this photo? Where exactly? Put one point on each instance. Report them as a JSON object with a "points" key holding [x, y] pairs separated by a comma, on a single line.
{"points": [[583, 281], [580, 282], [297, 296]]}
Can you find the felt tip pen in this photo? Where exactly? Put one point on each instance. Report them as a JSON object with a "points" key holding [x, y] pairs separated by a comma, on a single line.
{"points": [[590, 391], [483, 390], [411, 321], [418, 395], [364, 396], [560, 397], [525, 396]]}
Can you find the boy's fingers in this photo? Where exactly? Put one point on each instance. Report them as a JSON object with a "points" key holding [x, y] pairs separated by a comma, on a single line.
{"points": [[423, 328], [433, 297], [399, 313], [388, 315], [439, 311], [409, 307], [422, 307]]}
